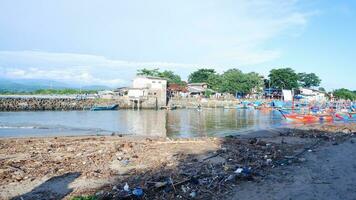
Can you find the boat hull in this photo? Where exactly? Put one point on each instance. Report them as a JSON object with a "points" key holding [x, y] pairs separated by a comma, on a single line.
{"points": [[102, 108]]}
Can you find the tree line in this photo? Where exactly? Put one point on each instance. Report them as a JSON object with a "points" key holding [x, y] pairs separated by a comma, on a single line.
{"points": [[65, 91], [234, 80]]}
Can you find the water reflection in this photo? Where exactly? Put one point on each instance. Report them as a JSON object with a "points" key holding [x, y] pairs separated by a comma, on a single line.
{"points": [[217, 122], [162, 123], [144, 122]]}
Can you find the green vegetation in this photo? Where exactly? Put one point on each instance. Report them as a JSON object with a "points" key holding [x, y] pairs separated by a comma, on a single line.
{"points": [[234, 80], [308, 80], [85, 198], [231, 81], [345, 94], [167, 74], [53, 91], [201, 75], [283, 78], [322, 89], [214, 81]]}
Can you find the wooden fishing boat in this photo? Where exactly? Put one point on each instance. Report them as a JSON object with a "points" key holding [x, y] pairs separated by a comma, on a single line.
{"points": [[307, 117], [100, 108]]}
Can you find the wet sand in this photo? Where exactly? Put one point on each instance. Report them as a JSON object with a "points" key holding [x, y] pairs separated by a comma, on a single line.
{"points": [[64, 167], [328, 172]]}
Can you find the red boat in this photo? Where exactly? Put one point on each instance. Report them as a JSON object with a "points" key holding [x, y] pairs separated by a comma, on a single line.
{"points": [[307, 117]]}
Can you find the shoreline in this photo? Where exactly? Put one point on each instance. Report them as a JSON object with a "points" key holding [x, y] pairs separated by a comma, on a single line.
{"points": [[101, 165]]}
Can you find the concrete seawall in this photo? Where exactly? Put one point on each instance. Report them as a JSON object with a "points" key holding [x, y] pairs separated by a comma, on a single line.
{"points": [[32, 104], [64, 103], [68, 103]]}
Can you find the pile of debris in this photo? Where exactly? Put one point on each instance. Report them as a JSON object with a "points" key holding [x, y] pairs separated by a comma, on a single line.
{"points": [[157, 168], [209, 176], [327, 132]]}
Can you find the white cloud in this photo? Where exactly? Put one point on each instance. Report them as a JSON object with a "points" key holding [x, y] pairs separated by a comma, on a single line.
{"points": [[208, 33], [239, 36], [81, 69]]}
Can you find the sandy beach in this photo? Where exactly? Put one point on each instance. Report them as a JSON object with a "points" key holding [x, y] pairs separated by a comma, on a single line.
{"points": [[314, 158]]}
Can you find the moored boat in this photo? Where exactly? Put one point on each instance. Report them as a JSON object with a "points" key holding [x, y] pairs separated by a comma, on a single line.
{"points": [[307, 117], [100, 108]]}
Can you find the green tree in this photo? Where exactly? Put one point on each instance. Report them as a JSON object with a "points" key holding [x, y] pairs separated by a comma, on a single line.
{"points": [[283, 78], [148, 72], [308, 80], [214, 81], [255, 81], [234, 80], [200, 76], [322, 89], [171, 77], [344, 94], [267, 83], [167, 74]]}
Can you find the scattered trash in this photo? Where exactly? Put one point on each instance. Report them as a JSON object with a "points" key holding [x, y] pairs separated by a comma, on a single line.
{"points": [[99, 193], [138, 192], [193, 194], [246, 170], [239, 170], [125, 162], [160, 184], [126, 187], [231, 177], [174, 172]]}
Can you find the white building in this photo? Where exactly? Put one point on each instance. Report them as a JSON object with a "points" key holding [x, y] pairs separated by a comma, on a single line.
{"points": [[148, 88], [197, 88], [312, 94]]}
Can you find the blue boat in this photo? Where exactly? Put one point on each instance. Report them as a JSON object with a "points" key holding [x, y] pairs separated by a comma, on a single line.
{"points": [[99, 108]]}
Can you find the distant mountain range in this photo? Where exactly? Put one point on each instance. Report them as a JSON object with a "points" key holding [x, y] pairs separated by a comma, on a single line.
{"points": [[29, 85]]}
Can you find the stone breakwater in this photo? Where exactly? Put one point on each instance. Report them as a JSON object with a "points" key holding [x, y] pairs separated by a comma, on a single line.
{"points": [[70, 103], [63, 103], [34, 104]]}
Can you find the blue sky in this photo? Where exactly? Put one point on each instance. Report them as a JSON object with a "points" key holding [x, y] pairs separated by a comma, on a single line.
{"points": [[106, 41]]}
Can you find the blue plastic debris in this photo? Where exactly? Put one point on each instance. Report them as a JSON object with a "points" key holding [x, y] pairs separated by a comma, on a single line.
{"points": [[138, 192]]}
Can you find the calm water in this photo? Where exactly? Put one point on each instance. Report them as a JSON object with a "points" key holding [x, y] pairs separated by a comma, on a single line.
{"points": [[176, 123]]}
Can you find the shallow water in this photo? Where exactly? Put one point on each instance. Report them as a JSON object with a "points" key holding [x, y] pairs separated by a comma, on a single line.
{"points": [[175, 123]]}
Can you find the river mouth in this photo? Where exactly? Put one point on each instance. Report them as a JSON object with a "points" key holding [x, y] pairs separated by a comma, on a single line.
{"points": [[181, 123]]}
